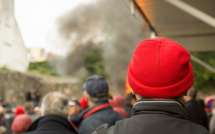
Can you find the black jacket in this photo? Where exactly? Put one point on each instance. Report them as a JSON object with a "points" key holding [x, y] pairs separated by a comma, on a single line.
{"points": [[157, 116], [128, 109], [96, 119], [51, 124], [196, 113]]}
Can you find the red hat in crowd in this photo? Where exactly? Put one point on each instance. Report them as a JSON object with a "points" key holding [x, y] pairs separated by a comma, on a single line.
{"points": [[117, 101], [160, 68], [19, 110], [83, 102], [21, 123], [121, 111]]}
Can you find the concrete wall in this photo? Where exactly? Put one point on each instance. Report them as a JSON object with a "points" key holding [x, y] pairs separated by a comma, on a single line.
{"points": [[13, 54]]}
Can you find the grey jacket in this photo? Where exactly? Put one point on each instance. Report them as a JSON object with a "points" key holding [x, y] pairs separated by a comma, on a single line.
{"points": [[212, 125], [155, 116]]}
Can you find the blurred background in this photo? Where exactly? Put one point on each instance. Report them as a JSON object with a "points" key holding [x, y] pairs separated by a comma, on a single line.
{"points": [[49, 45]]}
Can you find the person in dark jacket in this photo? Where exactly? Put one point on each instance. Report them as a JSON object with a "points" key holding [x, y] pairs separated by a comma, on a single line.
{"points": [[99, 111], [130, 99], [2, 118], [194, 110], [54, 111], [159, 74]]}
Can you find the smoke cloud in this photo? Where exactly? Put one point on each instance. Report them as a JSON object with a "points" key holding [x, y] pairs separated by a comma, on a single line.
{"points": [[107, 24]]}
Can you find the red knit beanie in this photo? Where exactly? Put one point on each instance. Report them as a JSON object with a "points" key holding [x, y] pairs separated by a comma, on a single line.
{"points": [[19, 110], [160, 68], [21, 123], [83, 103]]}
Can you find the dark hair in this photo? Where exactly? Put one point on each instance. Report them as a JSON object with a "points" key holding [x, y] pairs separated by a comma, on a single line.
{"points": [[192, 92], [97, 100], [129, 97], [29, 106]]}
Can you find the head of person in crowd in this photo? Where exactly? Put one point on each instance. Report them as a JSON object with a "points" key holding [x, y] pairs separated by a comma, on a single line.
{"points": [[1, 110], [160, 68], [21, 123], [191, 94], [55, 103], [74, 108], [19, 110], [29, 107], [3, 130], [159, 74], [96, 90], [2, 116], [130, 99], [54, 114], [117, 101], [83, 103]]}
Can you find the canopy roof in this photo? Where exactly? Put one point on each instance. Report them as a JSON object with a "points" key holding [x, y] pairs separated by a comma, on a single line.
{"points": [[190, 23]]}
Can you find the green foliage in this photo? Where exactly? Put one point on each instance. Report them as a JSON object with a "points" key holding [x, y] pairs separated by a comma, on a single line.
{"points": [[94, 62], [45, 67], [204, 78], [5, 67]]}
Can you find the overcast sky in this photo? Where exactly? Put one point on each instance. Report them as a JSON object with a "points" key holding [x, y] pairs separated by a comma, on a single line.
{"points": [[36, 18]]}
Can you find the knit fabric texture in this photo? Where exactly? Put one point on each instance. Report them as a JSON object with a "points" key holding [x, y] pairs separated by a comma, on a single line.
{"points": [[160, 68]]}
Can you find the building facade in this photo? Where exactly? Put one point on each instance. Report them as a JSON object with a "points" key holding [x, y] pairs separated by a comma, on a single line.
{"points": [[13, 53]]}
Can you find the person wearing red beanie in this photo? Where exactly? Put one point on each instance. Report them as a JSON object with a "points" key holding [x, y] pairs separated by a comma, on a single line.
{"points": [[159, 74], [21, 123], [83, 102]]}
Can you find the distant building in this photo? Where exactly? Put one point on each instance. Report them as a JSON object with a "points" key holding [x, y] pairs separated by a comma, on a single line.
{"points": [[37, 54], [13, 54], [40, 55]]}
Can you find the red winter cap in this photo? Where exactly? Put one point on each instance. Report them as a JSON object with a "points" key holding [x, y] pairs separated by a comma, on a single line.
{"points": [[160, 68], [21, 123], [19, 110], [83, 103]]}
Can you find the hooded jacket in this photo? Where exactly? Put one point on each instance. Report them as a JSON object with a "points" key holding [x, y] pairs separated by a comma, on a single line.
{"points": [[155, 116]]}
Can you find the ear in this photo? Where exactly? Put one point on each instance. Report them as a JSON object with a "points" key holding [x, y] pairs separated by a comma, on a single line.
{"points": [[40, 112], [86, 96]]}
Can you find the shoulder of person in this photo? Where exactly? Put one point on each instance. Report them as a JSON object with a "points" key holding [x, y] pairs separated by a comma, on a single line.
{"points": [[104, 129]]}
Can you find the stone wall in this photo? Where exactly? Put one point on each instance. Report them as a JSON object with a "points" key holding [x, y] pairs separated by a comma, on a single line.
{"points": [[16, 84]]}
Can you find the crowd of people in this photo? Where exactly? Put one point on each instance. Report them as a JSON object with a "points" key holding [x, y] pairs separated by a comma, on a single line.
{"points": [[161, 101]]}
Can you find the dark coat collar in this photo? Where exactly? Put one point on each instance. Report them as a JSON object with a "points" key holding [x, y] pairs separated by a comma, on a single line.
{"points": [[79, 118], [54, 121], [160, 106]]}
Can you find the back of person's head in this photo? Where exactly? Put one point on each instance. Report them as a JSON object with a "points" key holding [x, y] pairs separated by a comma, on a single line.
{"points": [[21, 123], [160, 68], [3, 130], [55, 103], [29, 106], [192, 92], [97, 88], [129, 97], [74, 108], [83, 102], [1, 110], [117, 101]]}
